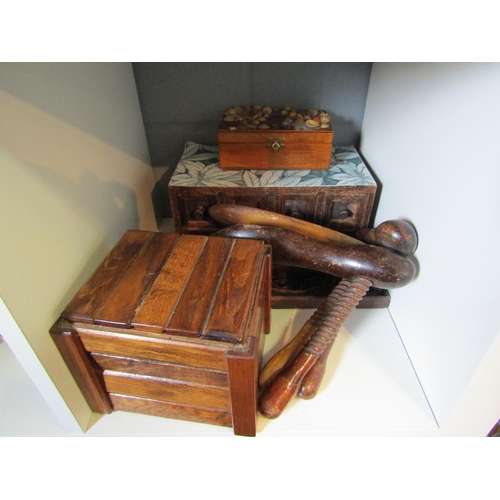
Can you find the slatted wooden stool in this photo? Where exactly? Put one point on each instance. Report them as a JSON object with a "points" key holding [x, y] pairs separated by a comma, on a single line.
{"points": [[171, 325]]}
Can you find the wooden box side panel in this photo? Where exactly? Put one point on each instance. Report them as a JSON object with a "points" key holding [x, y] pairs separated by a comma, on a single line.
{"points": [[292, 156], [306, 150], [174, 372], [210, 355], [171, 410], [160, 389]]}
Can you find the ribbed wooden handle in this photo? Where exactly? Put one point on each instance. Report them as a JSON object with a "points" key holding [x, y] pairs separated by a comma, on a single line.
{"points": [[285, 356], [287, 384]]}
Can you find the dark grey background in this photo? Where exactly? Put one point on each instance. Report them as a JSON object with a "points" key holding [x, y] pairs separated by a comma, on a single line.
{"points": [[183, 102]]}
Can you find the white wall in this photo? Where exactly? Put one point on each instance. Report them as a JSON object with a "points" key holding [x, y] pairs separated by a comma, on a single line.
{"points": [[74, 176], [431, 133]]}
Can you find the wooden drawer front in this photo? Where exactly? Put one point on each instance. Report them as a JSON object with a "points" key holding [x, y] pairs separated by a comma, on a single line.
{"points": [[346, 209], [160, 389], [177, 373], [171, 410], [192, 211], [206, 355], [190, 206]]}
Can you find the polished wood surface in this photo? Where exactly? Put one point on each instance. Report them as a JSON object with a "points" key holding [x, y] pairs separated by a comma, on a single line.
{"points": [[243, 369], [172, 410], [344, 209], [236, 293], [198, 297], [385, 268], [383, 260], [87, 374], [312, 380], [158, 306], [398, 235], [249, 150], [211, 355], [95, 292], [122, 302], [160, 389], [229, 214], [283, 357], [293, 379], [174, 329], [170, 371]]}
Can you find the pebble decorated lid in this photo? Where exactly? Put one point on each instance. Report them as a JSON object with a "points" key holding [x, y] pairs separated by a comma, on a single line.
{"points": [[267, 118]]}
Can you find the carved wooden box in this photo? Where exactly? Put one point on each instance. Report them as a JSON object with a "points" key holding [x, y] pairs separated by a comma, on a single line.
{"points": [[171, 325], [265, 138], [340, 198]]}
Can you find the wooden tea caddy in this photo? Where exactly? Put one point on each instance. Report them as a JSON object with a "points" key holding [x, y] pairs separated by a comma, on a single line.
{"points": [[171, 325], [256, 137]]}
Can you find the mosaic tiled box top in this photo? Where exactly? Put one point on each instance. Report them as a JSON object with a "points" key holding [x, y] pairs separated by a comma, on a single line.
{"points": [[199, 166]]}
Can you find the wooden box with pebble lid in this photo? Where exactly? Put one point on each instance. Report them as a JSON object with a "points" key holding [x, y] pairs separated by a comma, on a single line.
{"points": [[256, 137], [172, 325]]}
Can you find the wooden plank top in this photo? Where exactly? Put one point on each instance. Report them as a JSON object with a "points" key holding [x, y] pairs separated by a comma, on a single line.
{"points": [[236, 292], [95, 292], [186, 285], [136, 282], [160, 303]]}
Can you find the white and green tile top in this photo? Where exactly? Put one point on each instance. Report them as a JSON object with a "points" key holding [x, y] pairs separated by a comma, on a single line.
{"points": [[199, 166]]}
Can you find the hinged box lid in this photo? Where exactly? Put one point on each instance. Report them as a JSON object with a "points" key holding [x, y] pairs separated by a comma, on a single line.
{"points": [[184, 285]]}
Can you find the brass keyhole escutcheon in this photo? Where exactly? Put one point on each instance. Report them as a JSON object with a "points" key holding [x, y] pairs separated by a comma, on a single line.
{"points": [[276, 143]]}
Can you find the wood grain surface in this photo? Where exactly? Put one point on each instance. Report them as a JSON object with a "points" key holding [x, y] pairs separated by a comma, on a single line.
{"points": [[197, 299], [134, 284], [303, 150], [211, 355], [165, 390], [172, 410], [231, 311], [179, 373], [95, 292], [158, 306], [87, 374]]}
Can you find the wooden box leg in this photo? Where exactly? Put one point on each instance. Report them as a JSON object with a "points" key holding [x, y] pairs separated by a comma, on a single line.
{"points": [[243, 367], [81, 366]]}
